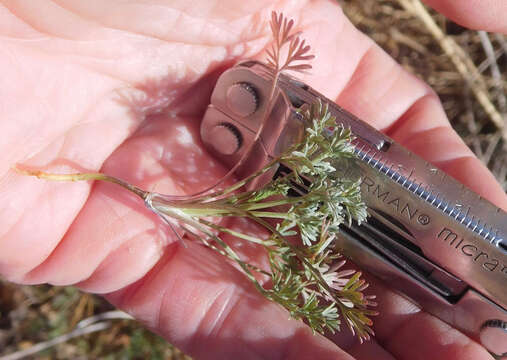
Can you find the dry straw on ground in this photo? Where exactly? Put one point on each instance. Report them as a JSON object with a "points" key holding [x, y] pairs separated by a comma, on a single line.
{"points": [[468, 69]]}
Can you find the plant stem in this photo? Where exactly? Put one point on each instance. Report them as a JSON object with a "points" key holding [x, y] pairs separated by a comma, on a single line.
{"points": [[269, 204], [235, 233], [269, 214], [83, 177]]}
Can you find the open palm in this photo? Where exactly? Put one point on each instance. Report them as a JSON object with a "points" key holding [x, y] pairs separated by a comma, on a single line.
{"points": [[121, 87]]}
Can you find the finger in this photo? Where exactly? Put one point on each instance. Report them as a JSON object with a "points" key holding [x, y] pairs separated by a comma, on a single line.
{"points": [[371, 85], [404, 330], [369, 350], [205, 307], [475, 14], [423, 132], [408, 111]]}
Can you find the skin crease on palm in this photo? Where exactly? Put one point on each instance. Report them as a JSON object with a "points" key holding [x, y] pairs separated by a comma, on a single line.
{"points": [[120, 87]]}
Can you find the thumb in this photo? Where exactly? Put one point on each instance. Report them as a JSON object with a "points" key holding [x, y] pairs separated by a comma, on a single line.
{"points": [[489, 15]]}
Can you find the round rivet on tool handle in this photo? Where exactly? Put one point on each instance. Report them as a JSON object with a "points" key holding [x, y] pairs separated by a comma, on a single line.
{"points": [[242, 99], [494, 337], [226, 138]]}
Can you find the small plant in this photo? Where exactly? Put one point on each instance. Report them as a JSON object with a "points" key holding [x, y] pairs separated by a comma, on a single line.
{"points": [[307, 277]]}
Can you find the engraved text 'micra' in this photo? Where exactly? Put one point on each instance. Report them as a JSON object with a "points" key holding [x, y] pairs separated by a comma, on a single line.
{"points": [[472, 251]]}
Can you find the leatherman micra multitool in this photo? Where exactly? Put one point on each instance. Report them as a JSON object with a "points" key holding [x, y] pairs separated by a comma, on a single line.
{"points": [[437, 242]]}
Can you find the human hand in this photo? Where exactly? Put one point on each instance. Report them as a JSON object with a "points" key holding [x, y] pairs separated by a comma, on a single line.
{"points": [[83, 83]]}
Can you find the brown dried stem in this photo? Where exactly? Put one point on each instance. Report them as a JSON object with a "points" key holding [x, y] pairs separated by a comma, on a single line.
{"points": [[82, 177]]}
